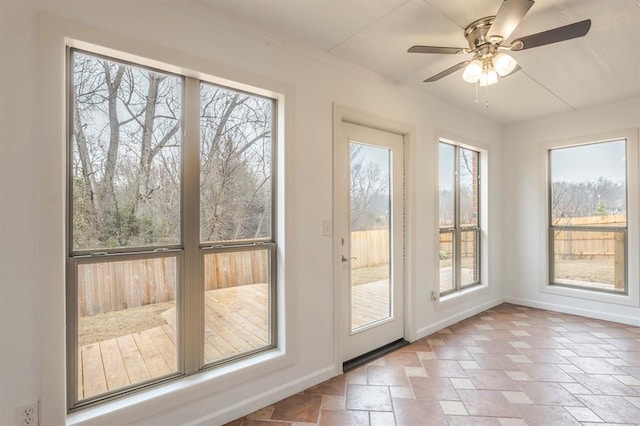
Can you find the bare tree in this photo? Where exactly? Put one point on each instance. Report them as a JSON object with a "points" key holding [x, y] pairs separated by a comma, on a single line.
{"points": [[369, 192], [583, 199], [235, 165], [127, 158], [124, 117], [468, 187]]}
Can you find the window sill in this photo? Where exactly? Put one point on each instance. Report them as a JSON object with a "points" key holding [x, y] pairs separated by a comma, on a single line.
{"points": [[598, 296], [462, 295], [181, 391]]}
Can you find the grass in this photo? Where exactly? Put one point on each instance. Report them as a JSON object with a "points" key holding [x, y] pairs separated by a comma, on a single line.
{"points": [[95, 328], [369, 274]]}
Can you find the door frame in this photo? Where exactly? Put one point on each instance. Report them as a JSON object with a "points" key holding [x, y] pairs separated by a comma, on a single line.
{"points": [[341, 114]]}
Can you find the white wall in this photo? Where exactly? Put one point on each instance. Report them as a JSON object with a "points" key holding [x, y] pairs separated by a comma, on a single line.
{"points": [[524, 242], [19, 300], [31, 249]]}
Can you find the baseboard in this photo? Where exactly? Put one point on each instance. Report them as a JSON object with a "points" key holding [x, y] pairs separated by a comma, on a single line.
{"points": [[256, 402], [453, 319], [588, 313]]}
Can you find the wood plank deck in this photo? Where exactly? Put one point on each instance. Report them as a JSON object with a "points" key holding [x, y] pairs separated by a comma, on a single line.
{"points": [[236, 320], [369, 303]]}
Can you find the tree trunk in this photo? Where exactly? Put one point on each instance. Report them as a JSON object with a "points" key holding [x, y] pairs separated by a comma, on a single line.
{"points": [[106, 190]]}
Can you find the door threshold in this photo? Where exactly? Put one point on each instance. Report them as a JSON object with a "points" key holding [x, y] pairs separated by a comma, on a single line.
{"points": [[373, 355]]}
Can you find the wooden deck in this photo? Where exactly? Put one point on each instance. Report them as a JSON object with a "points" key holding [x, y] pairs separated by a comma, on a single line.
{"points": [[370, 303], [125, 360], [236, 321]]}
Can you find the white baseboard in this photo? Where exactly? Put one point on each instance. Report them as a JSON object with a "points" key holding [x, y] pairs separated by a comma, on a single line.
{"points": [[256, 402], [605, 316], [453, 319]]}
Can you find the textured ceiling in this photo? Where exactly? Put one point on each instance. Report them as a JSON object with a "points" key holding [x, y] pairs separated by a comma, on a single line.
{"points": [[601, 68]]}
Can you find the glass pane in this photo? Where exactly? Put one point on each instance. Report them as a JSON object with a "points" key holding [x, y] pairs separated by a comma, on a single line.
{"points": [[126, 323], [468, 188], [237, 314], [446, 185], [469, 258], [235, 165], [588, 185], [446, 262], [589, 259], [126, 155], [370, 234]]}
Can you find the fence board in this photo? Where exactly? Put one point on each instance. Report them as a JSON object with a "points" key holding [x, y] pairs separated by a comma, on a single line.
{"points": [[371, 248], [109, 286], [588, 245]]}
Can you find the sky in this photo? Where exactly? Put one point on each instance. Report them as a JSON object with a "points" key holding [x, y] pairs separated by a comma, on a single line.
{"points": [[581, 163], [589, 162]]}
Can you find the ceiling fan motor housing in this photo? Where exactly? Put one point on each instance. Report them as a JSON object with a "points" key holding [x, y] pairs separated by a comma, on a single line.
{"points": [[476, 34]]}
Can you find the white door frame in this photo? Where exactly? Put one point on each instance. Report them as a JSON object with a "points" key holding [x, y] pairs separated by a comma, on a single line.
{"points": [[342, 114]]}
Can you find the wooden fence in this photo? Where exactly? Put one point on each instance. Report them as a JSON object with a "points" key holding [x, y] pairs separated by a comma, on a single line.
{"points": [[590, 245], [370, 248], [222, 270], [467, 241], [112, 286]]}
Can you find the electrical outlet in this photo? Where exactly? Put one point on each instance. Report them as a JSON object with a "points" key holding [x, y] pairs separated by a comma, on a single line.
{"points": [[27, 415]]}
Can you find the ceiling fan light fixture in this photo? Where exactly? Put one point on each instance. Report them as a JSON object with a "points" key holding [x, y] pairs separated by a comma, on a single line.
{"points": [[487, 40], [488, 77], [473, 71], [504, 64]]}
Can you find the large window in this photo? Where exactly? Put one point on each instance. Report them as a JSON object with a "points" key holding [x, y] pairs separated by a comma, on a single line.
{"points": [[459, 221], [171, 246], [588, 216]]}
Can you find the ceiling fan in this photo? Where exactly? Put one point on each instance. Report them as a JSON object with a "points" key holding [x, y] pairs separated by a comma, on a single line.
{"points": [[486, 37]]}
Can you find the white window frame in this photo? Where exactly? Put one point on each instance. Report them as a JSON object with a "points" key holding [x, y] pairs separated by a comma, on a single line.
{"points": [[482, 287], [631, 297], [56, 35], [189, 252]]}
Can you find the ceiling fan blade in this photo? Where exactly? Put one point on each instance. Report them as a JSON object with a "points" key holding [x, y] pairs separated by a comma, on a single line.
{"points": [[508, 18], [446, 72], [567, 32], [436, 49]]}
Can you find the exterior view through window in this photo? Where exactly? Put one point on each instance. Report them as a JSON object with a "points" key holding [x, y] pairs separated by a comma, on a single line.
{"points": [[165, 232], [370, 205], [459, 222], [588, 216]]}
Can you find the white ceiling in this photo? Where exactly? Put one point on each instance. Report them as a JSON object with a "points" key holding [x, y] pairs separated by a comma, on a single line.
{"points": [[601, 68]]}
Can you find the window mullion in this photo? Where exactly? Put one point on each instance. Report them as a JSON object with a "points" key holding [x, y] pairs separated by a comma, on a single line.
{"points": [[192, 303], [457, 236]]}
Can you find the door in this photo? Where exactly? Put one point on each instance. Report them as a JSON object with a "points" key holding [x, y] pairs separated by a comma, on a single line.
{"points": [[370, 240]]}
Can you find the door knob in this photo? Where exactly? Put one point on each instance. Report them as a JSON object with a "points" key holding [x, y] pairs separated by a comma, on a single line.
{"points": [[348, 259]]}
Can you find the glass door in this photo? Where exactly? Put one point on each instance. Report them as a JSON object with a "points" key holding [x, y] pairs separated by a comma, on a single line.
{"points": [[371, 238]]}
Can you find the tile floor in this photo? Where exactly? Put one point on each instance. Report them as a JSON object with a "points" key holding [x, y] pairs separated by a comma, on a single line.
{"points": [[510, 365]]}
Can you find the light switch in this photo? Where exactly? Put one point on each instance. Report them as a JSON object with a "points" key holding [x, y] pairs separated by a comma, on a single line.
{"points": [[326, 228]]}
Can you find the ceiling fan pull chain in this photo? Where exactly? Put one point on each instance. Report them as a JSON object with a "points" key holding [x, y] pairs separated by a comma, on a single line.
{"points": [[477, 84], [487, 102]]}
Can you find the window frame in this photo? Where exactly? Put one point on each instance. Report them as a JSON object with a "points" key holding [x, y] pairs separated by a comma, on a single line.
{"points": [[632, 296], [585, 228], [457, 230], [189, 252]]}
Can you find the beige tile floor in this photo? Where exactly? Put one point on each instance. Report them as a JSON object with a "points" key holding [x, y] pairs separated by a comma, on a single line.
{"points": [[510, 365]]}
